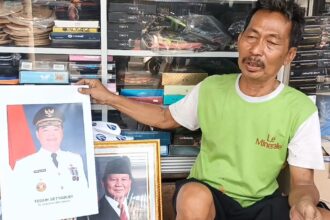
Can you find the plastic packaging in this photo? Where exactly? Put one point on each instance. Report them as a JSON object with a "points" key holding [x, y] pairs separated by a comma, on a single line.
{"points": [[191, 32]]}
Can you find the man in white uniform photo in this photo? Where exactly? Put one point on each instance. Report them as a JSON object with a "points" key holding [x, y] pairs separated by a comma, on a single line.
{"points": [[51, 172]]}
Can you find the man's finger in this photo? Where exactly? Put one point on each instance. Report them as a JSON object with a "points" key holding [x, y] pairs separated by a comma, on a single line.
{"points": [[310, 213], [82, 82], [86, 91], [295, 215]]}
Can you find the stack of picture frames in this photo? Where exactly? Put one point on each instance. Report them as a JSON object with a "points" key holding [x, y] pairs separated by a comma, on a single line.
{"points": [[51, 166]]}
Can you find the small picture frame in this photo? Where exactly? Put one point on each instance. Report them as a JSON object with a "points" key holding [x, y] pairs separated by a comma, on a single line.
{"points": [[129, 169]]}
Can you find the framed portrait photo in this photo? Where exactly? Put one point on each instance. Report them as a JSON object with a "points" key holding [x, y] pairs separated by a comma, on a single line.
{"points": [[128, 179], [47, 153]]}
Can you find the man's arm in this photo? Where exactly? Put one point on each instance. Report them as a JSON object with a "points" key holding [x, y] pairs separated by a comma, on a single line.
{"points": [[303, 195], [148, 114]]}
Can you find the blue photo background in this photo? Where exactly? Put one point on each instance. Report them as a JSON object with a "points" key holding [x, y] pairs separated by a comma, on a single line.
{"points": [[73, 127], [323, 105]]}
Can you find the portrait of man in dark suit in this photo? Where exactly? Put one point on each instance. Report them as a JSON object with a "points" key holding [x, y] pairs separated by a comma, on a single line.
{"points": [[117, 183]]}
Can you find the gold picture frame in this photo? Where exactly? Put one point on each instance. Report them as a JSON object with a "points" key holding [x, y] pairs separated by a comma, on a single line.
{"points": [[144, 197]]}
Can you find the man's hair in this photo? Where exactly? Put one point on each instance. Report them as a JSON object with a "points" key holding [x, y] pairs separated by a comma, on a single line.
{"points": [[289, 9]]}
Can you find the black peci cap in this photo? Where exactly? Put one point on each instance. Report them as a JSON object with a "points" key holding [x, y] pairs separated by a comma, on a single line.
{"points": [[47, 116], [118, 165]]}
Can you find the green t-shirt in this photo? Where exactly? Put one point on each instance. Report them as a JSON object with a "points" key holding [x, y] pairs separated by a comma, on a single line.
{"points": [[244, 144]]}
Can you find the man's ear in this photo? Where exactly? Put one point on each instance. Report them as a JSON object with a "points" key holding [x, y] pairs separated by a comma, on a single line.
{"points": [[239, 36], [238, 39], [290, 56]]}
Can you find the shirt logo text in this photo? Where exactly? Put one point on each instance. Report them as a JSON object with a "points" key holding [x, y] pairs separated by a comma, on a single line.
{"points": [[269, 142]]}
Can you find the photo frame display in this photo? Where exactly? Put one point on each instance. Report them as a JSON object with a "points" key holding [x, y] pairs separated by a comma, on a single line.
{"points": [[139, 162]]}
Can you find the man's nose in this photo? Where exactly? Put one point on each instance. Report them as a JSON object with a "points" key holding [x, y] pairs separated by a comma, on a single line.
{"points": [[118, 182], [257, 48]]}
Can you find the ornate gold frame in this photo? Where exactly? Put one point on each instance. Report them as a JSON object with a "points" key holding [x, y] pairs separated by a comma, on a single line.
{"points": [[145, 152]]}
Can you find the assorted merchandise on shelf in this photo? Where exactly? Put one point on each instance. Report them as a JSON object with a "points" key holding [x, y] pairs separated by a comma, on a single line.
{"points": [[9, 64], [43, 72], [7, 8], [144, 25], [173, 93], [178, 84], [178, 144], [154, 96], [68, 69], [33, 24], [135, 73], [84, 69], [312, 61], [162, 26], [191, 32], [77, 24], [75, 9], [126, 22], [308, 69], [30, 27], [108, 131], [68, 33], [164, 137], [185, 143], [157, 81], [88, 66]]}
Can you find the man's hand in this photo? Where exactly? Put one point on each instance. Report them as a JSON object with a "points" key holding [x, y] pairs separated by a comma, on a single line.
{"points": [[305, 210], [303, 195], [98, 92], [148, 114]]}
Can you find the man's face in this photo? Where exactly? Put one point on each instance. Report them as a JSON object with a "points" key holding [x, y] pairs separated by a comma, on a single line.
{"points": [[264, 46], [118, 186], [50, 137]]}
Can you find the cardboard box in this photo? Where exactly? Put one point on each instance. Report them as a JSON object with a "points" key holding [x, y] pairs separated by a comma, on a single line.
{"points": [[163, 136], [44, 77], [182, 78], [322, 181], [177, 89], [170, 99]]}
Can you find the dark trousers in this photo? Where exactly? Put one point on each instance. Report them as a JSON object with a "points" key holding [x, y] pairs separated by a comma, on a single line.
{"points": [[273, 207]]}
